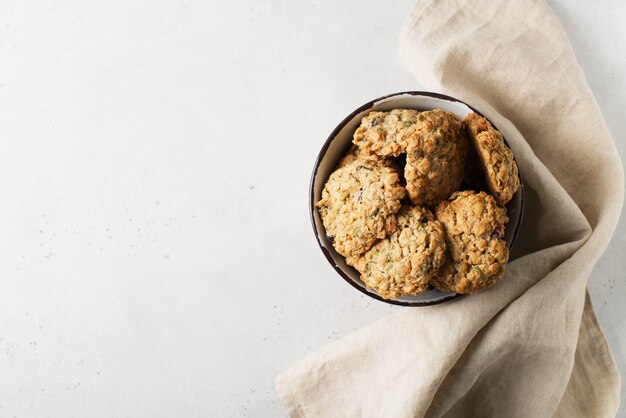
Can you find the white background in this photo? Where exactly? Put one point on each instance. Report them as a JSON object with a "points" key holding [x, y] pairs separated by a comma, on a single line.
{"points": [[156, 256]]}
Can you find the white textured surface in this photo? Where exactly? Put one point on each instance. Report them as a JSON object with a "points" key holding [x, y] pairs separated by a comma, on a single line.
{"points": [[156, 257]]}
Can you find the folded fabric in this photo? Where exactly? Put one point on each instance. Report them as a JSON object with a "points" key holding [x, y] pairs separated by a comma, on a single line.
{"points": [[530, 346]]}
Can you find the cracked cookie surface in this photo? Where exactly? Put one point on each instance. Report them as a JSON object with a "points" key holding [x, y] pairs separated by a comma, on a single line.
{"points": [[406, 261], [358, 205], [436, 157], [500, 169], [474, 231]]}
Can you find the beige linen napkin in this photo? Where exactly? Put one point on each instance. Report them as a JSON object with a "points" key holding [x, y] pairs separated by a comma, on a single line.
{"points": [[531, 346]]}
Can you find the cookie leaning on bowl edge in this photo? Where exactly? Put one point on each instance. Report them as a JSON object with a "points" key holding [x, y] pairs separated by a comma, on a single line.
{"points": [[500, 168]]}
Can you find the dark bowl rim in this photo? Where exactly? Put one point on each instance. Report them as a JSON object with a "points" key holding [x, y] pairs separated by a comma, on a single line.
{"points": [[321, 155]]}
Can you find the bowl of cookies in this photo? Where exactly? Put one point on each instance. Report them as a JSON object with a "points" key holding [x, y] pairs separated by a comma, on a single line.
{"points": [[416, 198]]}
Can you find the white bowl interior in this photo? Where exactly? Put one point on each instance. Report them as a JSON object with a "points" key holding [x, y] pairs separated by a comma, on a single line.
{"points": [[341, 143]]}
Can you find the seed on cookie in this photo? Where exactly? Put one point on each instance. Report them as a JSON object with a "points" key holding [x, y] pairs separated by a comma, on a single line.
{"points": [[436, 158], [406, 261], [474, 231], [500, 169], [386, 134], [358, 205]]}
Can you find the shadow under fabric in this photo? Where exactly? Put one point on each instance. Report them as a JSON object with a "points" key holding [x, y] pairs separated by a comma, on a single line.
{"points": [[530, 346]]}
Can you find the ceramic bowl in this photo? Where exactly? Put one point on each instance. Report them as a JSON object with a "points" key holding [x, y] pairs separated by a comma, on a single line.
{"points": [[338, 144]]}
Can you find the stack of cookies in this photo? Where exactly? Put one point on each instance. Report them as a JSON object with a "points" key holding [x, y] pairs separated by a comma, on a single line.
{"points": [[394, 209]]}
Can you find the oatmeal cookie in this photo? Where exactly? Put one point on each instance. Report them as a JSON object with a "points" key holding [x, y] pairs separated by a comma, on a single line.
{"points": [[406, 261], [436, 157], [386, 134], [501, 172], [474, 231], [354, 154], [358, 205]]}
